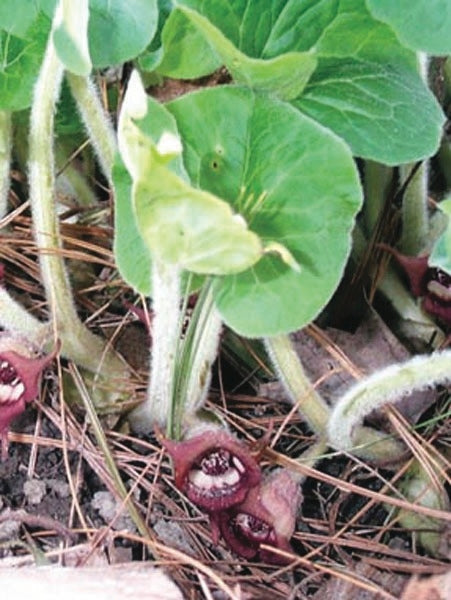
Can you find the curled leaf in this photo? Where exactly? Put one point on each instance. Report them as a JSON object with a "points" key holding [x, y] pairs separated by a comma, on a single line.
{"points": [[179, 223]]}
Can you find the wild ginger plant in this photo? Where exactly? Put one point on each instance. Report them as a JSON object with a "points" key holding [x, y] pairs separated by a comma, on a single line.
{"points": [[244, 194], [212, 154]]}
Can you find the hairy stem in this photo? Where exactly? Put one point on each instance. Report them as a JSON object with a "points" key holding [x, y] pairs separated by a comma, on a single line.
{"points": [[96, 120], [296, 382], [166, 301], [384, 386], [5, 159], [415, 223], [78, 343]]}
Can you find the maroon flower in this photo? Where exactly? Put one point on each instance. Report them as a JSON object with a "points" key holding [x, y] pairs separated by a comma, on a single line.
{"points": [[213, 469], [20, 373], [266, 517], [429, 283]]}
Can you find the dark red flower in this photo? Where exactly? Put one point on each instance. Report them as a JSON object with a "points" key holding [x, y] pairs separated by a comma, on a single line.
{"points": [[213, 469], [266, 517], [429, 283], [20, 373]]}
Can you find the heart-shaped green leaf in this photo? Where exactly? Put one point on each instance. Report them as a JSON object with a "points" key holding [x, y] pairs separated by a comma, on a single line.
{"points": [[368, 90], [180, 224], [294, 182]]}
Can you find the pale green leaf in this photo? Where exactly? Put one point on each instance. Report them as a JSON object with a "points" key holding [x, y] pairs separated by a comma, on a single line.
{"points": [[17, 20], [193, 229], [420, 25], [70, 37], [132, 254]]}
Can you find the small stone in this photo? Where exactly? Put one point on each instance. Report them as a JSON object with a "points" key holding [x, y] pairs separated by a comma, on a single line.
{"points": [[34, 491]]}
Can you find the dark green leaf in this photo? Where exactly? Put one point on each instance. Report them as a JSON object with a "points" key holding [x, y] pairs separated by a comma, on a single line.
{"points": [[20, 61]]}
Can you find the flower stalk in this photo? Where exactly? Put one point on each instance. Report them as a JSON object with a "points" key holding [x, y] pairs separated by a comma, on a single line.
{"points": [[5, 159], [166, 306], [300, 389], [95, 119], [415, 219], [372, 393], [78, 343]]}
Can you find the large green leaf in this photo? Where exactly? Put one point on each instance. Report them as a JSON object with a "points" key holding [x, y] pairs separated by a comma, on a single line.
{"points": [[368, 90], [293, 181], [284, 75], [384, 114], [420, 25], [261, 48], [119, 30], [366, 86], [284, 25], [20, 61]]}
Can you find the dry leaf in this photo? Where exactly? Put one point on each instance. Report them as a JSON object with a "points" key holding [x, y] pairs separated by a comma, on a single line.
{"points": [[437, 587]]}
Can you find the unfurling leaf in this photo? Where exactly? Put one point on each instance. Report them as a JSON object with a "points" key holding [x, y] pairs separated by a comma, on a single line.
{"points": [[180, 224]]}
